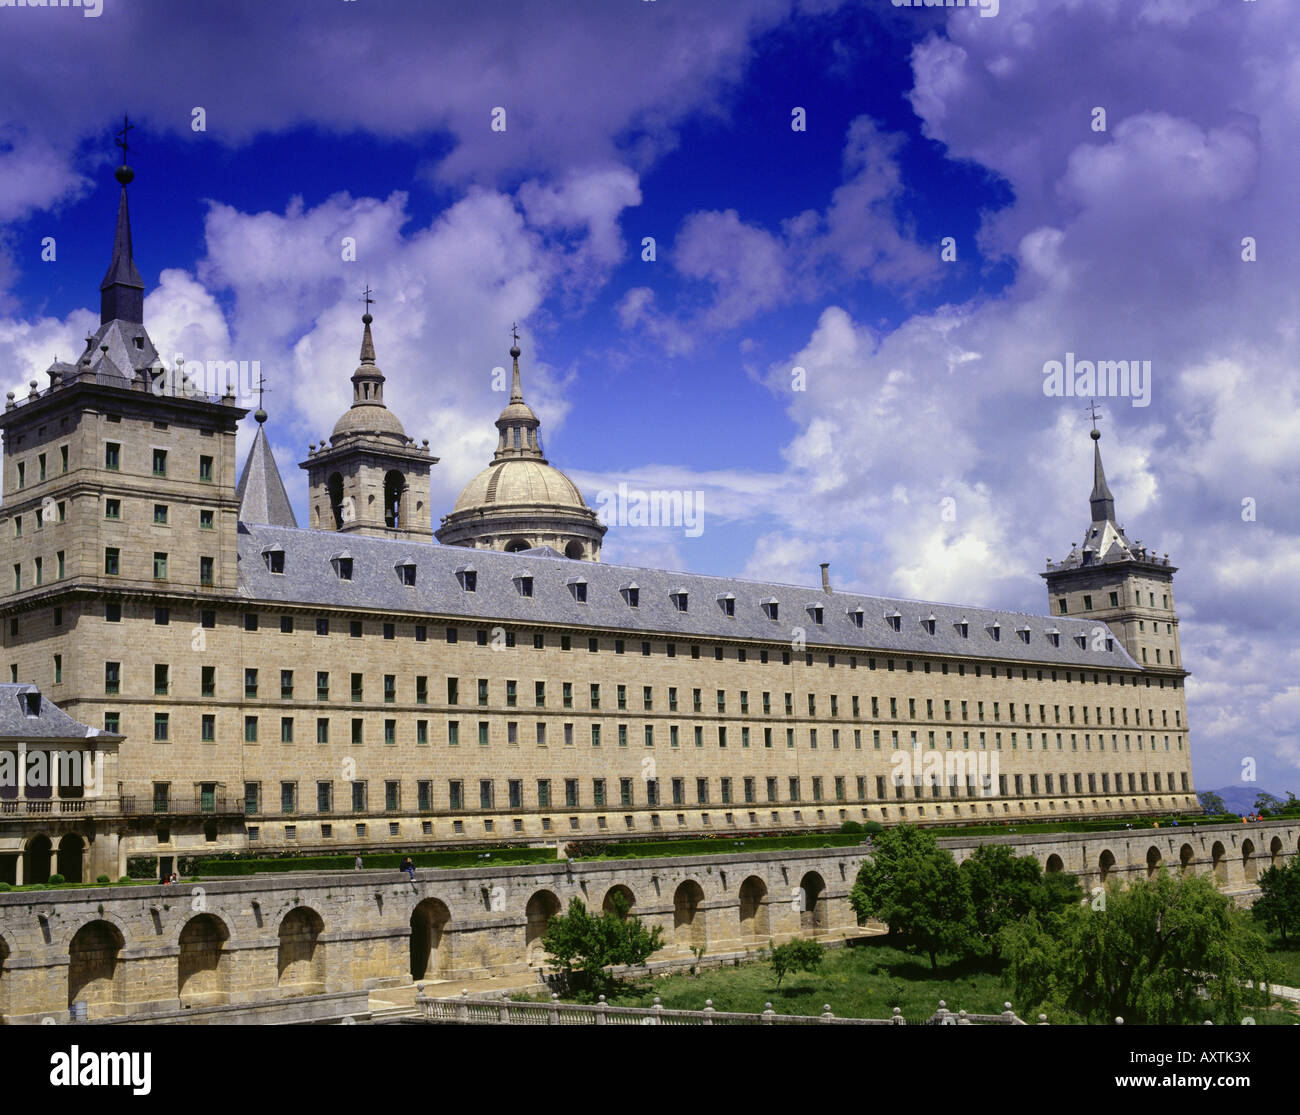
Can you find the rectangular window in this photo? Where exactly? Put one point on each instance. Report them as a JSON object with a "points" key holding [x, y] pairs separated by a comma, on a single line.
{"points": [[322, 729], [421, 689], [205, 469], [161, 727], [208, 728], [159, 566], [358, 687], [286, 685], [250, 683], [112, 460], [206, 572], [160, 462], [206, 519], [390, 688], [111, 561], [250, 729]]}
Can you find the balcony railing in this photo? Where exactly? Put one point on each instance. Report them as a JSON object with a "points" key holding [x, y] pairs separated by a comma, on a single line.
{"points": [[174, 805]]}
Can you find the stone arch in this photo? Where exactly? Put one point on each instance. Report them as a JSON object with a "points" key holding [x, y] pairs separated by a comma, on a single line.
{"points": [[1105, 865], [516, 545], [301, 959], [812, 904], [1249, 861], [540, 909], [1275, 852], [1154, 861], [334, 486], [753, 908], [1054, 864], [689, 928], [394, 499], [70, 858], [613, 897], [95, 970], [575, 550], [429, 941], [203, 965], [1219, 863], [1186, 860], [36, 859]]}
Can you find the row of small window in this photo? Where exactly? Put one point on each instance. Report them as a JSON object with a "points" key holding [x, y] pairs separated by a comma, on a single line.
{"points": [[38, 571], [1063, 605], [41, 466], [162, 728], [622, 791], [52, 511], [113, 461], [113, 565]]}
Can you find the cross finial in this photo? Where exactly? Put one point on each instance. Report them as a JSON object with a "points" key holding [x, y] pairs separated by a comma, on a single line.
{"points": [[122, 139], [1092, 413], [514, 331], [365, 297]]}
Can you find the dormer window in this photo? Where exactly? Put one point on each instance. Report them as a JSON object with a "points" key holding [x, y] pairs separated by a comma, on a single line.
{"points": [[342, 563], [1054, 636], [467, 575], [578, 587], [1082, 640], [895, 620], [929, 623], [963, 628], [855, 616], [274, 558], [815, 613], [406, 572], [524, 585], [1110, 644], [1023, 632], [770, 606], [680, 598], [995, 631], [632, 594], [32, 703], [727, 602]]}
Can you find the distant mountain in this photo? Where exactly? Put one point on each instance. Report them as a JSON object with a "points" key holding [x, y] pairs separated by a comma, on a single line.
{"points": [[1241, 799]]}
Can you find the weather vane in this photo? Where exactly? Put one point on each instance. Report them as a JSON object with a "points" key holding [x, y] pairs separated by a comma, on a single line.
{"points": [[365, 297], [122, 137], [1092, 413], [514, 331]]}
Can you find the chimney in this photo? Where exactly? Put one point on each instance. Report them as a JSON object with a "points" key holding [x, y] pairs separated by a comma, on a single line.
{"points": [[826, 576]]}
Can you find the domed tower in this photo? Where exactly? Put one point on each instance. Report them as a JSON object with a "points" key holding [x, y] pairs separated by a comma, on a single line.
{"points": [[371, 478], [519, 501]]}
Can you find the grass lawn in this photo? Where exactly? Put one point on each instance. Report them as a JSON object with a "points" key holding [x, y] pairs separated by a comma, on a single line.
{"points": [[1286, 958]]}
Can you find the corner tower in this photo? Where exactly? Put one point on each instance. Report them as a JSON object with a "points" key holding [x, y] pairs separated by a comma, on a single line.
{"points": [[371, 478], [520, 501], [1124, 584]]}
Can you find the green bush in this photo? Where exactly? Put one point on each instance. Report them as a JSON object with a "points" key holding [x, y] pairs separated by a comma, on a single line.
{"points": [[873, 827], [103, 879], [5, 887], [57, 880], [124, 879], [851, 826]]}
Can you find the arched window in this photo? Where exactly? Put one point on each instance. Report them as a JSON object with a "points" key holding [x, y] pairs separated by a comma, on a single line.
{"points": [[335, 486], [394, 490]]}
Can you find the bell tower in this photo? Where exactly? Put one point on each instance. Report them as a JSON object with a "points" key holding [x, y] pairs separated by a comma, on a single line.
{"points": [[370, 478], [1126, 585]]}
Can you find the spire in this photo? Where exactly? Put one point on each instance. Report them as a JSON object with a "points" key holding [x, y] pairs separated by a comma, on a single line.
{"points": [[367, 380], [516, 388], [1103, 503], [517, 423], [261, 494], [121, 294]]}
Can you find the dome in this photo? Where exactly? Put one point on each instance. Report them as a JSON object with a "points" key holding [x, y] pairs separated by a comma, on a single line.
{"points": [[369, 419], [519, 481]]}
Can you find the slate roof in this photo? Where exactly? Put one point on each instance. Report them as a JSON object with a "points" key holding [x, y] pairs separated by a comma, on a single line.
{"points": [[50, 723], [261, 494], [310, 578]]}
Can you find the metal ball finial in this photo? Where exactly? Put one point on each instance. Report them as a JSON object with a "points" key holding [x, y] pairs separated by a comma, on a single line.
{"points": [[124, 174], [260, 415], [1095, 434], [366, 319]]}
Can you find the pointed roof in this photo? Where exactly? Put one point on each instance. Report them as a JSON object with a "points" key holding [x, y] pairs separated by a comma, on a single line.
{"points": [[121, 294], [1103, 503], [261, 494], [518, 416]]}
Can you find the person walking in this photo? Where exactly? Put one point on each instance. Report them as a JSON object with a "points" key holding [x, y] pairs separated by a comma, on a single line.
{"points": [[357, 865]]}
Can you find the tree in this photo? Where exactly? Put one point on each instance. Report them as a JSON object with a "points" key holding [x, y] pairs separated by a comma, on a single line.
{"points": [[1278, 905], [1005, 888], [796, 956], [1211, 802], [1267, 803], [1168, 951], [582, 944], [918, 890]]}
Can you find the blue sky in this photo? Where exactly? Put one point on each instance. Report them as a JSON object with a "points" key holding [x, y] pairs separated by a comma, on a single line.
{"points": [[776, 249]]}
